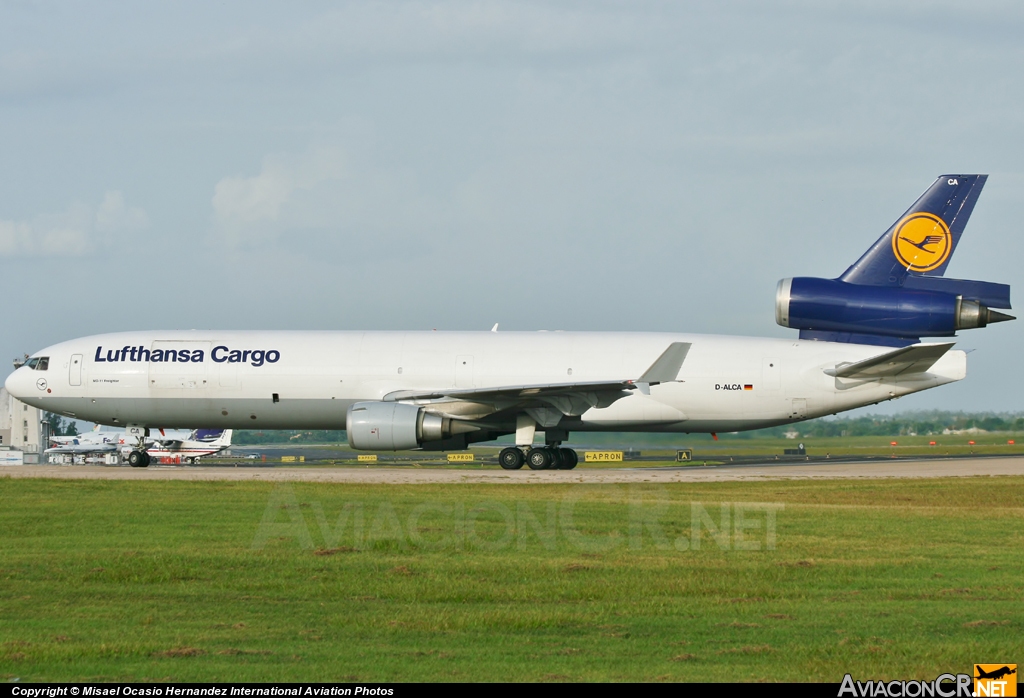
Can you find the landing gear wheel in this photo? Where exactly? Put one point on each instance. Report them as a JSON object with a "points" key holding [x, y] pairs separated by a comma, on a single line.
{"points": [[511, 459], [539, 459], [137, 459], [569, 458], [557, 459], [146, 459]]}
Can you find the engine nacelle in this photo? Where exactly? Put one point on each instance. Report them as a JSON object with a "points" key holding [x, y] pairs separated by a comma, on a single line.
{"points": [[831, 305], [395, 426]]}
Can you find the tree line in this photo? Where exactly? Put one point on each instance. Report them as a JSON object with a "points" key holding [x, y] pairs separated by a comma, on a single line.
{"points": [[924, 423], [60, 426]]}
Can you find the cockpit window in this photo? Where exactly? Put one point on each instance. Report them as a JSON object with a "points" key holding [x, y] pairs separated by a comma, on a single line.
{"points": [[39, 363], [31, 363]]}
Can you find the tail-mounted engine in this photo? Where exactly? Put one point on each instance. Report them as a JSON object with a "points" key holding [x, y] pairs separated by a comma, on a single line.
{"points": [[923, 307], [897, 292]]}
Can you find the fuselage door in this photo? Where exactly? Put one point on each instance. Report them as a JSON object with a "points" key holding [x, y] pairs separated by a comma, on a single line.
{"points": [[75, 370]]}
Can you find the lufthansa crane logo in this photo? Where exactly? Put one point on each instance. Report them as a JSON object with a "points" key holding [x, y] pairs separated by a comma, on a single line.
{"points": [[922, 242]]}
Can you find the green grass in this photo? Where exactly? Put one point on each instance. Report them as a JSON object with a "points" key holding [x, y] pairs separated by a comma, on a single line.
{"points": [[126, 580]]}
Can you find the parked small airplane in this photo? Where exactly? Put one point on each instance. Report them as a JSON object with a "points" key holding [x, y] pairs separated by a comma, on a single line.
{"points": [[86, 449], [94, 437], [190, 447], [201, 442]]}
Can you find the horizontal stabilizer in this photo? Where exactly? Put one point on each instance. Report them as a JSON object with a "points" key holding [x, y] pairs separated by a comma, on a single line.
{"points": [[914, 359]]}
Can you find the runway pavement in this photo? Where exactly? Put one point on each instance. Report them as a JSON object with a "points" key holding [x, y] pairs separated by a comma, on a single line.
{"points": [[924, 468]]}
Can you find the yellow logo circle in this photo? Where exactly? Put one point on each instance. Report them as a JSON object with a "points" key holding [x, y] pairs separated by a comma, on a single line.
{"points": [[922, 242]]}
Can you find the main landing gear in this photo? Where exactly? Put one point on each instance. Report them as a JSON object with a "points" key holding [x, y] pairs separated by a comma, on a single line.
{"points": [[546, 458], [134, 445]]}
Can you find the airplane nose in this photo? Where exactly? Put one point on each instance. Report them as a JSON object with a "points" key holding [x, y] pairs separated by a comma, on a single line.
{"points": [[17, 383]]}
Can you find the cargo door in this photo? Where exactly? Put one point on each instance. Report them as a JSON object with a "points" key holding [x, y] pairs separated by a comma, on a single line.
{"points": [[75, 370]]}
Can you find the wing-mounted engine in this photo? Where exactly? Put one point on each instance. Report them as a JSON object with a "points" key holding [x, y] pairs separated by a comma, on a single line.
{"points": [[397, 426]]}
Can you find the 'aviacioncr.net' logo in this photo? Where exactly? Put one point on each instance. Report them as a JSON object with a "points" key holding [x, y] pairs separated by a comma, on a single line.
{"points": [[922, 241], [995, 680]]}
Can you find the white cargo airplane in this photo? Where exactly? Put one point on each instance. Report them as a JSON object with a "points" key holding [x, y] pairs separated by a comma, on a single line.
{"points": [[858, 345]]}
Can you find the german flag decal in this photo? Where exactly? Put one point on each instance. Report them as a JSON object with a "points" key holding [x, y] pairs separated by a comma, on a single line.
{"points": [[748, 386]]}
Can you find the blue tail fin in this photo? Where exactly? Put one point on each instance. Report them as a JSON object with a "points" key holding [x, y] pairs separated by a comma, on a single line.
{"points": [[923, 240], [206, 435]]}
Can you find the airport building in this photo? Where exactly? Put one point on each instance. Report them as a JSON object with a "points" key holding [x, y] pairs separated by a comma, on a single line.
{"points": [[20, 429]]}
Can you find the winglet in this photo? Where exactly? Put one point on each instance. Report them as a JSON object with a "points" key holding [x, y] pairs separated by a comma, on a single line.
{"points": [[666, 368]]}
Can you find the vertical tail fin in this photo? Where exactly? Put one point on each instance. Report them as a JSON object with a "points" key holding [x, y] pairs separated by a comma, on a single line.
{"points": [[923, 240], [210, 436]]}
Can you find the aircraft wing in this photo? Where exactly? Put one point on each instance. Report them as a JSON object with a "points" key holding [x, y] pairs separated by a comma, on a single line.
{"points": [[166, 443], [513, 392], [569, 398], [913, 359]]}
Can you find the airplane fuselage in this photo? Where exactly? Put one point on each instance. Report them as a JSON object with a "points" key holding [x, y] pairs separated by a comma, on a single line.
{"points": [[308, 380]]}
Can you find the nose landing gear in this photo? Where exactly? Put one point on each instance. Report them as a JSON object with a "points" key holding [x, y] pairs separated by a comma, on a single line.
{"points": [[135, 445], [138, 459]]}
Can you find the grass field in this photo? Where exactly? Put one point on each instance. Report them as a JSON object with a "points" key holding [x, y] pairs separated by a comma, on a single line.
{"points": [[184, 581]]}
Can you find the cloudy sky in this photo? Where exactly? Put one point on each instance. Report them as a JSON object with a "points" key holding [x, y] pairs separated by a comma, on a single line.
{"points": [[415, 165]]}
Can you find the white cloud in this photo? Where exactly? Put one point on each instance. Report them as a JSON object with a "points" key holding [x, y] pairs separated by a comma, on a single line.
{"points": [[22, 239], [79, 231], [246, 206], [114, 216]]}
